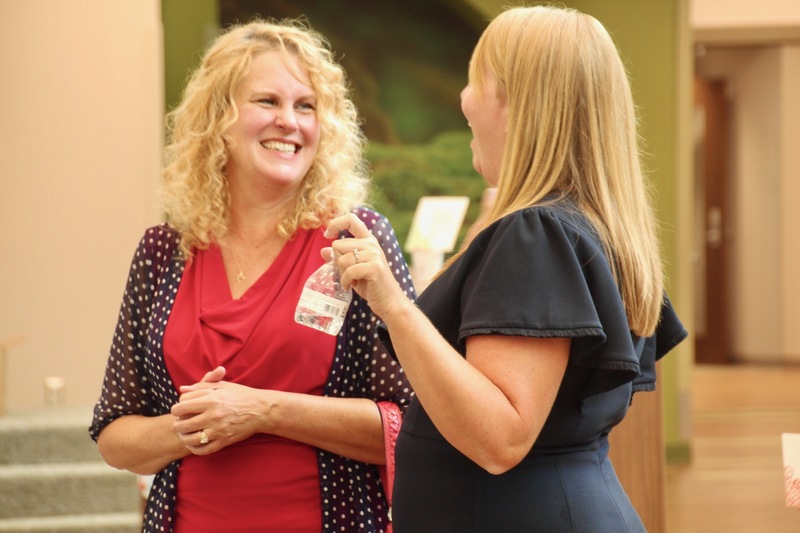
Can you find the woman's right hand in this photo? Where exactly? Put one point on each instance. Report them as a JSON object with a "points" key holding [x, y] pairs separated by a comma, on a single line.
{"points": [[364, 267], [213, 413]]}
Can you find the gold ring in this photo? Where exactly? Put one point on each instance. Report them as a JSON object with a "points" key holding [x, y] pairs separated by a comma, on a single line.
{"points": [[203, 438], [355, 254]]}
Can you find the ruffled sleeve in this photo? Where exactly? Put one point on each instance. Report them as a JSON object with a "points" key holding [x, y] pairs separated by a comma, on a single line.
{"points": [[669, 333], [541, 272]]}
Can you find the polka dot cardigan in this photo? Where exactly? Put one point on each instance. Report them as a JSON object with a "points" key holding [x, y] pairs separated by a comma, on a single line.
{"points": [[136, 379]]}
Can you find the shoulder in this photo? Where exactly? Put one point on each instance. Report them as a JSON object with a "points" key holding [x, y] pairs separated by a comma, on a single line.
{"points": [[370, 217], [377, 223], [561, 214], [160, 234], [552, 222], [158, 244]]}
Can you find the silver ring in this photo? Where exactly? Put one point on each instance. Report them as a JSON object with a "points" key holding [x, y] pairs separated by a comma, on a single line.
{"points": [[355, 254], [203, 438]]}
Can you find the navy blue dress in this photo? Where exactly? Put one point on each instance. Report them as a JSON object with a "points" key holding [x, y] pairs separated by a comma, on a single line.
{"points": [[540, 272]]}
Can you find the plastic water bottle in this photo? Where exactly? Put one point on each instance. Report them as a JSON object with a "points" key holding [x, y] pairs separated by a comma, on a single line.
{"points": [[323, 303]]}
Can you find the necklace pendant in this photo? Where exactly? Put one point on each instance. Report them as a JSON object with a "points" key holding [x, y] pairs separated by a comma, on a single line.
{"points": [[240, 277]]}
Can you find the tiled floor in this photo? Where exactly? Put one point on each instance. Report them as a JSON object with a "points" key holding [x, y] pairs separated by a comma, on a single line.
{"points": [[734, 483]]}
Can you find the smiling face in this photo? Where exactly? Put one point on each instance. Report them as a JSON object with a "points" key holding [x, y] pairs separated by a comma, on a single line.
{"points": [[274, 141], [486, 113]]}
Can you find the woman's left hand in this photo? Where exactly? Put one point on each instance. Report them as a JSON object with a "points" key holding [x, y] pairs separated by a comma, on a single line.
{"points": [[364, 267], [213, 414]]}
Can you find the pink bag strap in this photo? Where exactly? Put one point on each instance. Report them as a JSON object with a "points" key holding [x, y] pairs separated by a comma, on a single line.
{"points": [[392, 420]]}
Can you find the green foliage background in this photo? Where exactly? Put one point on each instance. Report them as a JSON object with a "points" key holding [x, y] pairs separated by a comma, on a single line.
{"points": [[404, 173]]}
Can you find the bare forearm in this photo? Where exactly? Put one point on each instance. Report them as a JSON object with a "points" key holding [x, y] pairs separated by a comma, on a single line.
{"points": [[470, 411], [140, 444], [346, 426]]}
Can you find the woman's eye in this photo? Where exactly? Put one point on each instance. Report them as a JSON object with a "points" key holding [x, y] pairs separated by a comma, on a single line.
{"points": [[267, 101], [305, 106]]}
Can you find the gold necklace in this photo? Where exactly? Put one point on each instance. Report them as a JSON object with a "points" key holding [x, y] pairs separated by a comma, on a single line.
{"points": [[240, 276]]}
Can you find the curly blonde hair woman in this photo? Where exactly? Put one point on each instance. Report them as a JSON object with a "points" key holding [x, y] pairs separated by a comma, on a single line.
{"points": [[527, 348], [196, 197], [249, 420]]}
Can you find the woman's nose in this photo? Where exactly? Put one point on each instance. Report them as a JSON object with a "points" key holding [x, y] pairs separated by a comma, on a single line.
{"points": [[286, 119]]}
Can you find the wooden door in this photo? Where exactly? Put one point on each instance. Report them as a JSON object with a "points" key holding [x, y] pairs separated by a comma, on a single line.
{"points": [[712, 334]]}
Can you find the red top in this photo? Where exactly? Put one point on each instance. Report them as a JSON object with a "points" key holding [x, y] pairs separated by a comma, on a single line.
{"points": [[264, 483]]}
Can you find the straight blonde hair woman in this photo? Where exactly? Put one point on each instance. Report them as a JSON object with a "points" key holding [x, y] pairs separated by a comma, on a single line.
{"points": [[527, 349]]}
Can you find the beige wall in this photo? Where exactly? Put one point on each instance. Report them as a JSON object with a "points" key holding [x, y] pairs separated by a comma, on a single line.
{"points": [[789, 95], [80, 125], [763, 72], [744, 13]]}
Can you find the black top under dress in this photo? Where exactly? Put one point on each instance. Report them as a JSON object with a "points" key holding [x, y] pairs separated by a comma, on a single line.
{"points": [[539, 272]]}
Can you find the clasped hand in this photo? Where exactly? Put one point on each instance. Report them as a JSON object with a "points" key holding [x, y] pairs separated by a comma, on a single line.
{"points": [[218, 411]]}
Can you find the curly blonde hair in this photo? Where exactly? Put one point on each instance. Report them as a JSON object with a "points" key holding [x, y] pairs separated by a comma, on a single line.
{"points": [[196, 197], [572, 131]]}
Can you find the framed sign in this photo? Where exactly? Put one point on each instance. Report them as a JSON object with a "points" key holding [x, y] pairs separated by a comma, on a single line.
{"points": [[437, 222]]}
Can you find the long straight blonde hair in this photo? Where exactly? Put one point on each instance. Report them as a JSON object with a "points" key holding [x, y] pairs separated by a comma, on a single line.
{"points": [[572, 131]]}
